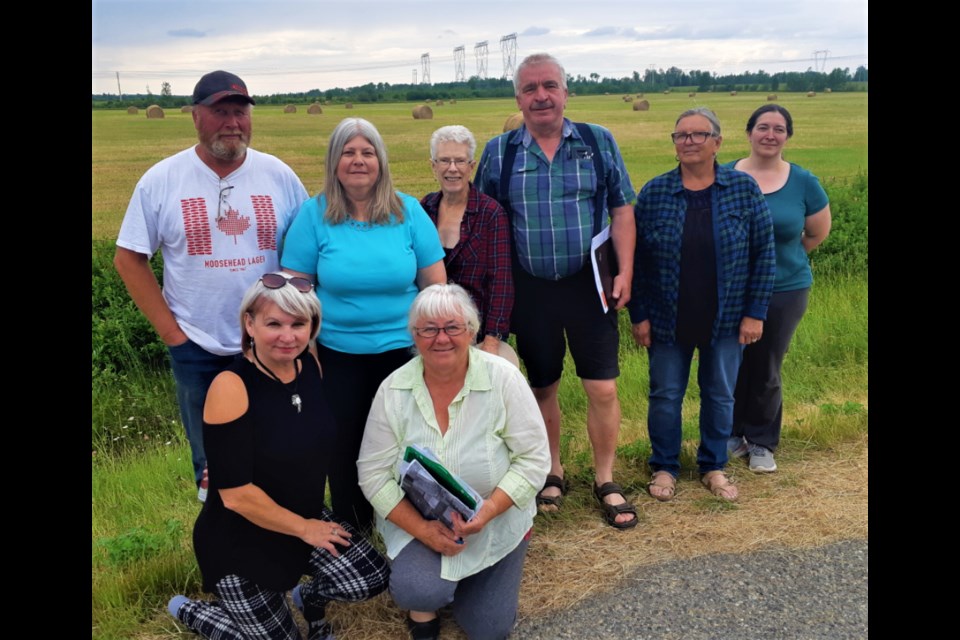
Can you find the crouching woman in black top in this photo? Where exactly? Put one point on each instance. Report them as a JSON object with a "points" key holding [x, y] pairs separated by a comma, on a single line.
{"points": [[267, 432]]}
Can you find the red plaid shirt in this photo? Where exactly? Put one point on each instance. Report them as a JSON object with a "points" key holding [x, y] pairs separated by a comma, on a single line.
{"points": [[480, 263]]}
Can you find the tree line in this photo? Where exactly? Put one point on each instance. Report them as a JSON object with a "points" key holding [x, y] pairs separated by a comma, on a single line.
{"points": [[651, 81]]}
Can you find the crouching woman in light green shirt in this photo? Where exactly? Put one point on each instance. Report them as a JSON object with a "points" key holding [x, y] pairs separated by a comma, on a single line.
{"points": [[475, 411]]}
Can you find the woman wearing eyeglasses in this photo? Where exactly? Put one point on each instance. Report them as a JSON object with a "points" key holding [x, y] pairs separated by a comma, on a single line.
{"points": [[801, 221], [370, 249], [475, 234], [267, 433], [703, 275], [476, 412]]}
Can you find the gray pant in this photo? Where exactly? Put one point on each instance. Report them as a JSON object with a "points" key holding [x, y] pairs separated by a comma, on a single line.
{"points": [[758, 398], [484, 604]]}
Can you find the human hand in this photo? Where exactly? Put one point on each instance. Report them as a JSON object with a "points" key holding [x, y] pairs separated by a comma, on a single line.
{"points": [[464, 528], [441, 539], [641, 333], [751, 330], [621, 289], [326, 535]]}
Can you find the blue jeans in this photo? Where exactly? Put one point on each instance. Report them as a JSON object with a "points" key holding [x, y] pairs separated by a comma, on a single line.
{"points": [[717, 377], [194, 368]]}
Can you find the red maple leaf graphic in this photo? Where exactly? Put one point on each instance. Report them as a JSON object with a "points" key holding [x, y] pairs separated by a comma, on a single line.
{"points": [[233, 224]]}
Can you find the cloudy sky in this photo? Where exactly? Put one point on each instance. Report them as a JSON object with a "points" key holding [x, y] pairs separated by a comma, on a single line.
{"points": [[298, 45]]}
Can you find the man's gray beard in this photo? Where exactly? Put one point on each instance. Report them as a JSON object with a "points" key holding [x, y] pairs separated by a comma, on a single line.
{"points": [[227, 153]]}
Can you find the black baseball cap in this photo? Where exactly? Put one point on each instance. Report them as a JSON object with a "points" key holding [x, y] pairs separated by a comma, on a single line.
{"points": [[217, 85]]}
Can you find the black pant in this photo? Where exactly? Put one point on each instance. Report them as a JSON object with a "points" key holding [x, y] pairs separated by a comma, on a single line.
{"points": [[758, 408], [350, 381]]}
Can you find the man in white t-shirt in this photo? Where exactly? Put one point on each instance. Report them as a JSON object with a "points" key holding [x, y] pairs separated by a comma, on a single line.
{"points": [[217, 212]]}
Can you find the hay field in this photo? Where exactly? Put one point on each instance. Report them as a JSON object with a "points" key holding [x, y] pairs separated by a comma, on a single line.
{"points": [[830, 138]]}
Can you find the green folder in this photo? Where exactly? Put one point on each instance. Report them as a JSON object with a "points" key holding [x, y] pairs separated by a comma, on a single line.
{"points": [[441, 474]]}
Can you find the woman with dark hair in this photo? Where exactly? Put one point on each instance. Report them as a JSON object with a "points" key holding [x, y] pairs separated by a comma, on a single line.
{"points": [[801, 221], [267, 433], [703, 272], [370, 249]]}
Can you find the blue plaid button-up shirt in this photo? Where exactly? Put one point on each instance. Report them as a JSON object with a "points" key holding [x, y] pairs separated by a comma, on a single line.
{"points": [[743, 239], [551, 203]]}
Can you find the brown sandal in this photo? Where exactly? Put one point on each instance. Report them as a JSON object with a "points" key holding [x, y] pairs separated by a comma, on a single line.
{"points": [[659, 490], [720, 485]]}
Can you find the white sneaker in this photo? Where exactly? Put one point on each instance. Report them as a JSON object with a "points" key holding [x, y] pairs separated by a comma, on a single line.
{"points": [[761, 459]]}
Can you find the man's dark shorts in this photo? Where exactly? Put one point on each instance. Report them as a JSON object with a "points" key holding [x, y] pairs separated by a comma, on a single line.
{"points": [[544, 309]]}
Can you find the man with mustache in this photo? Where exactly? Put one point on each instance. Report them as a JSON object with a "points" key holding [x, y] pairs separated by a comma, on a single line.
{"points": [[217, 212], [554, 178]]}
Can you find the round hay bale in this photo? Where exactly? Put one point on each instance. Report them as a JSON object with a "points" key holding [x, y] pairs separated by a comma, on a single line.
{"points": [[513, 122], [641, 105], [666, 92], [810, 94], [772, 96], [187, 108], [733, 93], [327, 101], [573, 94], [691, 95], [628, 98], [639, 95], [132, 110], [315, 108], [154, 111], [290, 108], [349, 105], [453, 101], [439, 103], [422, 112], [828, 90], [606, 93]]}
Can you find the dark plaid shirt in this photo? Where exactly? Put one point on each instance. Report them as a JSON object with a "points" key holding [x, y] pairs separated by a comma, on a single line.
{"points": [[480, 262], [743, 241]]}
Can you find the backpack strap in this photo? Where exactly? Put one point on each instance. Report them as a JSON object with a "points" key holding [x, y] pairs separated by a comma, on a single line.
{"points": [[506, 168], [599, 208]]}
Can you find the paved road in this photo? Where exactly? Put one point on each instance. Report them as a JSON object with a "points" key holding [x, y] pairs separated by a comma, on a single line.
{"points": [[785, 594]]}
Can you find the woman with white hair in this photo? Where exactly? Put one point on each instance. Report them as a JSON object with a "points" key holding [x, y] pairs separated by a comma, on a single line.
{"points": [[477, 414], [370, 249], [267, 433], [475, 234]]}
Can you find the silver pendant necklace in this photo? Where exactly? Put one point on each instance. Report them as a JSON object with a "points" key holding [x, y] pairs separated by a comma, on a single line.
{"points": [[295, 398]]}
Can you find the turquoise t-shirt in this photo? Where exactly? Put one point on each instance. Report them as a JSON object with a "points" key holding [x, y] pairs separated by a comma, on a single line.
{"points": [[366, 274], [789, 206]]}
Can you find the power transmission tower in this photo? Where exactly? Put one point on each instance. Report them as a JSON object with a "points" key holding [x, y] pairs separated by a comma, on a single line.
{"points": [[816, 56], [481, 52], [459, 64], [508, 46], [119, 93], [425, 68]]}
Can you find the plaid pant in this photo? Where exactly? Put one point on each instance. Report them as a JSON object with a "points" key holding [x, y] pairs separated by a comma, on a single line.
{"points": [[245, 611]]}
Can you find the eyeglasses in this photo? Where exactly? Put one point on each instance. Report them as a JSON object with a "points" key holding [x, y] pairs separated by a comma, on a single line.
{"points": [[433, 332], [222, 201], [277, 281], [698, 137], [459, 163]]}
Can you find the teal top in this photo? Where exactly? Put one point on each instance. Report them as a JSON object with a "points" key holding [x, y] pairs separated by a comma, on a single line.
{"points": [[789, 206], [366, 274]]}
